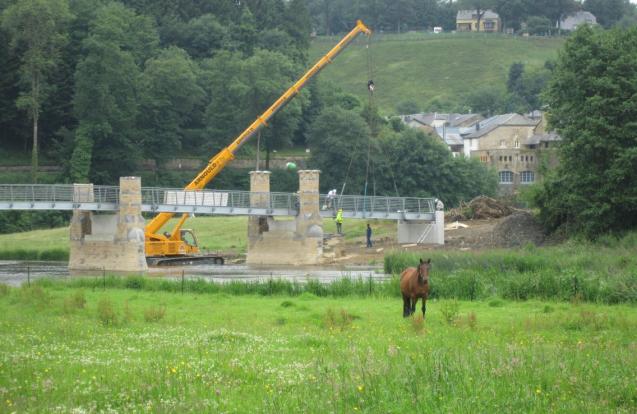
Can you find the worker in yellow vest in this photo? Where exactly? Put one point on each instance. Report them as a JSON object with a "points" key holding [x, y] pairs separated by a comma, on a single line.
{"points": [[339, 221]]}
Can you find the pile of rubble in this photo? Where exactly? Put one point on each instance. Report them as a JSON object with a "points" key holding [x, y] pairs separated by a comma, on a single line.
{"points": [[479, 208], [518, 229]]}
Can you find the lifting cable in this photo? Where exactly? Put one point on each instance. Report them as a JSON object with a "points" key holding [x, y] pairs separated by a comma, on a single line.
{"points": [[371, 118]]}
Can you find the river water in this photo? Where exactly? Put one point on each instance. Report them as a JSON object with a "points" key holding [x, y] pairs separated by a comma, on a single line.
{"points": [[16, 272]]}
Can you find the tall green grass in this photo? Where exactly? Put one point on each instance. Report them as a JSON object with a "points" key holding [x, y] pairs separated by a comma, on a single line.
{"points": [[33, 254], [574, 271]]}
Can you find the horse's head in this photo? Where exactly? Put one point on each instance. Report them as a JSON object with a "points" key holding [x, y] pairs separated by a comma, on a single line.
{"points": [[423, 271]]}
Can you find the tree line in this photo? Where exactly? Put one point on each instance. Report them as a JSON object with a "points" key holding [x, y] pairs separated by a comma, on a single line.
{"points": [[541, 16], [98, 86]]}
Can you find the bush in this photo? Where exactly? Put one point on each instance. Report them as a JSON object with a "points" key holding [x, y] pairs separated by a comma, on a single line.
{"points": [[154, 313], [449, 310], [106, 312], [76, 301], [34, 295], [341, 320], [134, 282]]}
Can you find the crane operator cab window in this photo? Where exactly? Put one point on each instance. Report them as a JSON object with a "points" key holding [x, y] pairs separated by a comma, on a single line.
{"points": [[189, 237]]}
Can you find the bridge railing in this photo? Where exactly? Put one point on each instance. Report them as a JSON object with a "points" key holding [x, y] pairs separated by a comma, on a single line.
{"points": [[378, 204], [218, 198], [160, 198], [53, 193]]}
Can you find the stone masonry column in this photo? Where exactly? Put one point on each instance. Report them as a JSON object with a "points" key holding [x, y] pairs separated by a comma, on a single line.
{"points": [[259, 197], [130, 226], [110, 242], [81, 223], [309, 222]]}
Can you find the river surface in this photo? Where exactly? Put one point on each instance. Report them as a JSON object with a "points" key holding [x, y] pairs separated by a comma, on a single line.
{"points": [[16, 272]]}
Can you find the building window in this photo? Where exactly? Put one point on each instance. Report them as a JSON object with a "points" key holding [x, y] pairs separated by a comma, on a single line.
{"points": [[484, 158], [531, 158], [517, 144], [502, 143], [506, 177], [527, 177]]}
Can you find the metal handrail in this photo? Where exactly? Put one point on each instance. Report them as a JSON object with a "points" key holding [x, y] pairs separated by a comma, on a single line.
{"points": [[229, 199]]}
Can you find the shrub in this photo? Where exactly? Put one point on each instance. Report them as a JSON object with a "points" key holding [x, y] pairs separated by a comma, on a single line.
{"points": [[134, 282], [154, 313], [128, 313], [341, 320], [418, 324], [472, 320], [449, 310], [106, 312], [34, 295], [77, 300]]}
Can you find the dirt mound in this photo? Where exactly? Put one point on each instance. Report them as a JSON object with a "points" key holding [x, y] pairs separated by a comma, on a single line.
{"points": [[479, 208], [518, 229]]}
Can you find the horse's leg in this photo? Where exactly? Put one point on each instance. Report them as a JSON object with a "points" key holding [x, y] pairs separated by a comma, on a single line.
{"points": [[413, 305], [406, 306], [424, 307]]}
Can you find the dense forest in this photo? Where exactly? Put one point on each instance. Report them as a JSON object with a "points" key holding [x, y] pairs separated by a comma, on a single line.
{"points": [[99, 86]]}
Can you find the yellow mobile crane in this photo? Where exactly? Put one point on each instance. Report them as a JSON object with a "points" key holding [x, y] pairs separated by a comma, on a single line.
{"points": [[181, 245]]}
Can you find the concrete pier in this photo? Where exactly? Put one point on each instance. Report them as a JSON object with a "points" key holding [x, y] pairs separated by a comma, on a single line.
{"points": [[111, 242], [291, 242]]}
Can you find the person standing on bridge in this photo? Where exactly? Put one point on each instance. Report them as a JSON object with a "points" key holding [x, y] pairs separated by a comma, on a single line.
{"points": [[339, 221], [369, 236]]}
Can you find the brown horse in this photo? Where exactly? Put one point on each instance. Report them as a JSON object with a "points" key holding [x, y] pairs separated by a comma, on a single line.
{"points": [[414, 284]]}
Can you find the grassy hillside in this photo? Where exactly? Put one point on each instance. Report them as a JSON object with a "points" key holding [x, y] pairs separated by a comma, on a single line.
{"points": [[427, 68]]}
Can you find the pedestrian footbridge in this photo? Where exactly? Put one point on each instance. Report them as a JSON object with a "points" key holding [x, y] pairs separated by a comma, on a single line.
{"points": [[212, 202]]}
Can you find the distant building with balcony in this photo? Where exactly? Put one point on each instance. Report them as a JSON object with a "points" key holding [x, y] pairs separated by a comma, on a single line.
{"points": [[516, 146], [469, 21]]}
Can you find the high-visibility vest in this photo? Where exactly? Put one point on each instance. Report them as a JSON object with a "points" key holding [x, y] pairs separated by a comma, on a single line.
{"points": [[339, 217]]}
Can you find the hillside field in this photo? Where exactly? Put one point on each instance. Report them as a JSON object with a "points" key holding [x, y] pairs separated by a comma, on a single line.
{"points": [[427, 68]]}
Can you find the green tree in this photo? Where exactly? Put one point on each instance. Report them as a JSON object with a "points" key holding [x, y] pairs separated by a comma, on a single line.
{"points": [[338, 141], [607, 12], [539, 25], [202, 36], [168, 95], [486, 101], [298, 25], [424, 167], [37, 29], [407, 107], [592, 106], [107, 88], [240, 89]]}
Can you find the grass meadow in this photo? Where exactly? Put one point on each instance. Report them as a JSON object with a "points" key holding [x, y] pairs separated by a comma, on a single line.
{"points": [[68, 349], [431, 70]]}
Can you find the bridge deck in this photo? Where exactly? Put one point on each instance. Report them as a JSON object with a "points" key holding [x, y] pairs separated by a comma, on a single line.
{"points": [[217, 202]]}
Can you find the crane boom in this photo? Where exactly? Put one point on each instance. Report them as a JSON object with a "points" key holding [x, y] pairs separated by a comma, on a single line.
{"points": [[218, 162]]}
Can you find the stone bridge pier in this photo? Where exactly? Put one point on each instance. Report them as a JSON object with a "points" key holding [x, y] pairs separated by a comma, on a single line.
{"points": [[106, 241], [293, 242]]}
